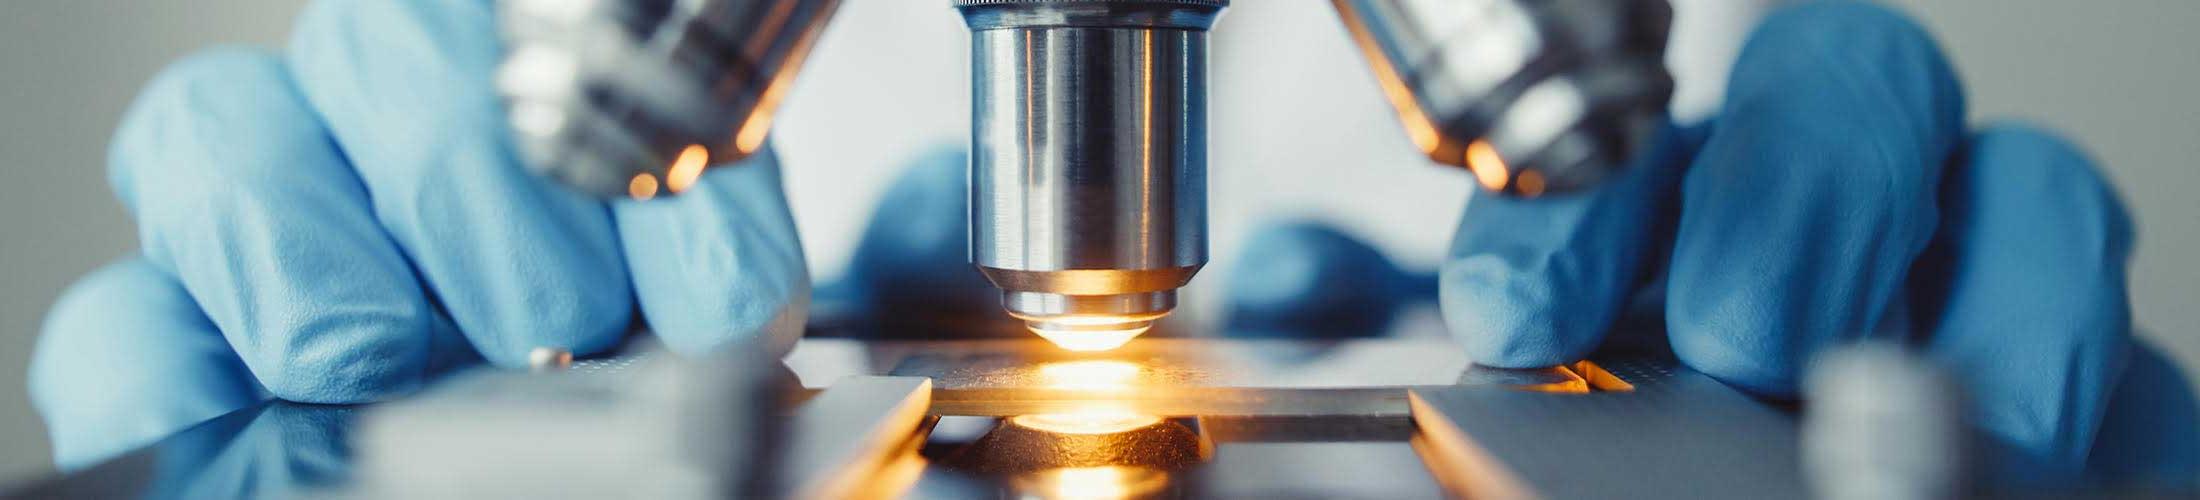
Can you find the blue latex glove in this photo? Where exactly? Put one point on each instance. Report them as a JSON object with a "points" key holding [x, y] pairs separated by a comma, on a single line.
{"points": [[910, 277], [335, 223], [1838, 197], [1306, 279]]}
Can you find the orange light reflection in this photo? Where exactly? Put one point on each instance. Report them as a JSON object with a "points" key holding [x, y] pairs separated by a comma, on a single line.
{"points": [[1531, 183], [1106, 482], [1488, 167], [686, 168], [1089, 340], [1096, 417], [1418, 127], [1093, 420], [642, 187]]}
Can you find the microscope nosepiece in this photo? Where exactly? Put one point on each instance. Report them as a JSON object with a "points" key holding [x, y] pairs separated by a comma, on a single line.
{"points": [[637, 97], [1088, 171]]}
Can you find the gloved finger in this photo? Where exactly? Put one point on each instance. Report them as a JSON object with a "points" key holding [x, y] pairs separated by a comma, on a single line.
{"points": [[2024, 293], [240, 195], [517, 262], [1537, 281], [1813, 194], [1304, 278], [126, 359], [2150, 437], [719, 263]]}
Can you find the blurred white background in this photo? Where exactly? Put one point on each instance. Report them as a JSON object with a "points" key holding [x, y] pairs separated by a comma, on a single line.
{"points": [[1298, 130]]}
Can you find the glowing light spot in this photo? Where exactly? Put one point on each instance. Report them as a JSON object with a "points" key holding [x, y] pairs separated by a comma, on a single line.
{"points": [[686, 168], [1090, 482], [1099, 418], [1095, 375], [1089, 340], [1089, 333], [1488, 167], [1094, 483], [752, 132], [1530, 183], [642, 187], [1093, 417]]}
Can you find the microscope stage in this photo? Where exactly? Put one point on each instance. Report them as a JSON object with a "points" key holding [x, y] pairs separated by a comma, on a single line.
{"points": [[1369, 418], [1401, 418]]}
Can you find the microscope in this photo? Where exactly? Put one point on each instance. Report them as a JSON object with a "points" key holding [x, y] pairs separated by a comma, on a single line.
{"points": [[1087, 179]]}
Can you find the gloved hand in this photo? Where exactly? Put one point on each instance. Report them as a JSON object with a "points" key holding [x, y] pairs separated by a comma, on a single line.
{"points": [[1306, 279], [1838, 197], [337, 222], [910, 276]]}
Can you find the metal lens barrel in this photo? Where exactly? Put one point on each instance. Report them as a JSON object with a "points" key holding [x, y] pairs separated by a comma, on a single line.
{"points": [[1534, 96], [1089, 156], [618, 97]]}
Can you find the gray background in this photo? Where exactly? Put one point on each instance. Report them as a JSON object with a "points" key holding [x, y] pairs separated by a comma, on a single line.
{"points": [[2117, 79]]}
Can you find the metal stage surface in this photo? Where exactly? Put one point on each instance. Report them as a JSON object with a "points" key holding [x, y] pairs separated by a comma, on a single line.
{"points": [[983, 418]]}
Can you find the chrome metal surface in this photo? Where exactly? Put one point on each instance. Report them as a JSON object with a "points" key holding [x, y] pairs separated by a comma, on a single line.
{"points": [[1679, 434], [1534, 96], [1089, 153], [603, 92], [669, 427], [1315, 469], [847, 437]]}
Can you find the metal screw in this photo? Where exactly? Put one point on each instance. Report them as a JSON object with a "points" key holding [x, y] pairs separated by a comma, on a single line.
{"points": [[1883, 423], [549, 359]]}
